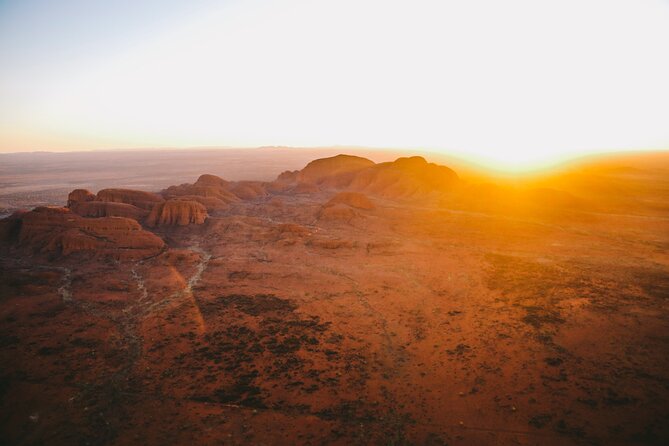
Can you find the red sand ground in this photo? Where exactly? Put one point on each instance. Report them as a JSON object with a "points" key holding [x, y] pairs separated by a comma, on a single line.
{"points": [[411, 323]]}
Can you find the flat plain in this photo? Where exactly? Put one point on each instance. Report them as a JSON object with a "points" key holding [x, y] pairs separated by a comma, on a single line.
{"points": [[331, 308]]}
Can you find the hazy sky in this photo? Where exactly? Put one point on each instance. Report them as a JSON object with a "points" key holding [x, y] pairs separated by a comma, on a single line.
{"points": [[509, 83]]}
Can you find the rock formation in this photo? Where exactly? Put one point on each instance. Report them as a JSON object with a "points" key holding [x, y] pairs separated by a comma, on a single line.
{"points": [[249, 190], [211, 191], [211, 203], [59, 231], [317, 170], [107, 209], [402, 178], [10, 226], [177, 213], [212, 180], [79, 196], [353, 199], [141, 199]]}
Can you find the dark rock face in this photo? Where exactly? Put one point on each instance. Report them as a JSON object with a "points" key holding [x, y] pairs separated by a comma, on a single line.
{"points": [[10, 226]]}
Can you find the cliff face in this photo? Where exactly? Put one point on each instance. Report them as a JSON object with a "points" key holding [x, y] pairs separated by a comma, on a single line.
{"points": [[177, 213], [60, 232], [10, 226], [138, 198]]}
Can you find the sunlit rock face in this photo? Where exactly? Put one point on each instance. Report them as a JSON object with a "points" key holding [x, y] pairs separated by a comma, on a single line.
{"points": [[80, 196], [60, 232], [403, 178], [249, 190], [212, 180], [108, 209], [210, 190], [177, 213], [141, 199], [318, 170]]}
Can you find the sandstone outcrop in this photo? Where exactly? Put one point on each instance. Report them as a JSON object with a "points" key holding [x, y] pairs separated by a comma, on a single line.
{"points": [[320, 169], [211, 203], [59, 231], [249, 190], [79, 196], [141, 199], [288, 176], [211, 191], [212, 180], [177, 213], [97, 209], [403, 178]]}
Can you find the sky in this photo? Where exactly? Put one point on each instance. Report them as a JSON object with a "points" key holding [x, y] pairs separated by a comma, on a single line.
{"points": [[510, 84]]}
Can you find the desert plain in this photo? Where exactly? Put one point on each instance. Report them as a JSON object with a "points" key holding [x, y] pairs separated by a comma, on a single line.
{"points": [[337, 301]]}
